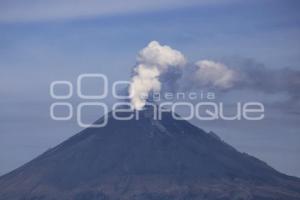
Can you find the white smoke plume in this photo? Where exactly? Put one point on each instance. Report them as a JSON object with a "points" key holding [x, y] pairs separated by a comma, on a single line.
{"points": [[153, 61], [161, 68], [145, 80], [156, 60], [210, 73]]}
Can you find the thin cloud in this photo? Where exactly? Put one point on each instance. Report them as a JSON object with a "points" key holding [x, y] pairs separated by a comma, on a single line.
{"points": [[48, 10]]}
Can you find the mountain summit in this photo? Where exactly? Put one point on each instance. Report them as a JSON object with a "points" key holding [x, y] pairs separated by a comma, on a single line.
{"points": [[146, 159]]}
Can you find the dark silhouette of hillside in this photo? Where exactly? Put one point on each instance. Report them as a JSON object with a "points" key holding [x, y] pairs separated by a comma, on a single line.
{"points": [[146, 159]]}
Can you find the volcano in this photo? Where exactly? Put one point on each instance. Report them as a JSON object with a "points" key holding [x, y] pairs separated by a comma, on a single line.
{"points": [[146, 159]]}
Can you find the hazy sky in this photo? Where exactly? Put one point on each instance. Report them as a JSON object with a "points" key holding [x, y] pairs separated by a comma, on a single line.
{"points": [[43, 41]]}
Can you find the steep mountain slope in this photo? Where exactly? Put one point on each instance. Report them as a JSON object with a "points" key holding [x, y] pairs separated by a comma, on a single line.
{"points": [[146, 159]]}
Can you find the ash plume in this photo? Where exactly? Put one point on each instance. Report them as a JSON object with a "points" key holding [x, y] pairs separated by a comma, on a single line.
{"points": [[153, 61], [161, 68]]}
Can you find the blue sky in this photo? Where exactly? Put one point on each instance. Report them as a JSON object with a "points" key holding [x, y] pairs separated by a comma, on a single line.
{"points": [[42, 42]]}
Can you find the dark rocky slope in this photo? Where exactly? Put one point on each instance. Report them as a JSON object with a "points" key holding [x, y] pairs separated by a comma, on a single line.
{"points": [[146, 160]]}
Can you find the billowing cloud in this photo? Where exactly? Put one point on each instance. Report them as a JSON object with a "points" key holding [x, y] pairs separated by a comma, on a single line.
{"points": [[161, 56], [153, 61], [145, 80], [210, 73], [161, 68]]}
